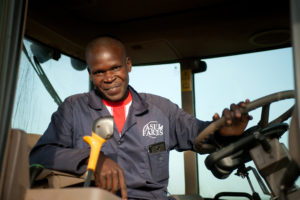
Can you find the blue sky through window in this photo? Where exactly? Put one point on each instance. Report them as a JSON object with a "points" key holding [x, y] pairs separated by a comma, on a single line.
{"points": [[233, 79]]}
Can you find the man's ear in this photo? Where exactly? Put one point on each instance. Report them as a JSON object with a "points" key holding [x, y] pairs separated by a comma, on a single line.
{"points": [[128, 64], [90, 74]]}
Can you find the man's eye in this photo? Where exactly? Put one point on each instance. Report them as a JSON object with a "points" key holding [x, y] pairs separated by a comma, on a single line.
{"points": [[98, 72], [116, 68]]}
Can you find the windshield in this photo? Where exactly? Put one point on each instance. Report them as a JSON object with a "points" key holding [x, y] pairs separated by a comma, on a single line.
{"points": [[227, 80], [34, 103]]}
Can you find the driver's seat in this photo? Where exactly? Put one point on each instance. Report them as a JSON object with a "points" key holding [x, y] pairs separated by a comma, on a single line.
{"points": [[14, 177]]}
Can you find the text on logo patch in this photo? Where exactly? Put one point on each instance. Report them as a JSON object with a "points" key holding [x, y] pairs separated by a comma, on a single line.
{"points": [[153, 129]]}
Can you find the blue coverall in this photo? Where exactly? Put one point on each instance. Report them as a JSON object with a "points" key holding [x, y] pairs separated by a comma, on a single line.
{"points": [[151, 119]]}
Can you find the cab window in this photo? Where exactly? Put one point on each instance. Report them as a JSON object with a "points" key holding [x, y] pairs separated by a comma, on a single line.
{"points": [[34, 103], [233, 79]]}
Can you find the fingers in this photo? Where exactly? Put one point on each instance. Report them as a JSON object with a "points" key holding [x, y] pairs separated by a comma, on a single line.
{"points": [[216, 116], [109, 181], [102, 181], [112, 180], [250, 117], [236, 119], [227, 115], [122, 185], [243, 105], [115, 181], [235, 112]]}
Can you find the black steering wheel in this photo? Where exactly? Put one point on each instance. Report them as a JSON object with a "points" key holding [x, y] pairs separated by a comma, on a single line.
{"points": [[223, 161]]}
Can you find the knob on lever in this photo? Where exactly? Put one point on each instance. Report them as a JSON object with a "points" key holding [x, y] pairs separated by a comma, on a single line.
{"points": [[103, 129]]}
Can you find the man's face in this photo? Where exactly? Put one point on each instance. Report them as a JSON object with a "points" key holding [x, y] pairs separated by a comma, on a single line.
{"points": [[108, 70]]}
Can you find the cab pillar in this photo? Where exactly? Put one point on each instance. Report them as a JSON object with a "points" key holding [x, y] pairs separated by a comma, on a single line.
{"points": [[188, 68]]}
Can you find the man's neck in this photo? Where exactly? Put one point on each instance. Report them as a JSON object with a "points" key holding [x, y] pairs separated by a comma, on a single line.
{"points": [[108, 100], [122, 102]]}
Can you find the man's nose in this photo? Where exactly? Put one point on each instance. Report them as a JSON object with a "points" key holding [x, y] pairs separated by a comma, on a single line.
{"points": [[109, 76]]}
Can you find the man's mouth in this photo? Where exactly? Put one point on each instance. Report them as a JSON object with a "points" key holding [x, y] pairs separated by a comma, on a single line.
{"points": [[112, 89]]}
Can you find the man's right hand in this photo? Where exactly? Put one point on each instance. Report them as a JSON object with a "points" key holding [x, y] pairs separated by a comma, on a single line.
{"points": [[109, 176]]}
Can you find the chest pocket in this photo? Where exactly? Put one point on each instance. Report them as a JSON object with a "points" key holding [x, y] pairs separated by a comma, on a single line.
{"points": [[159, 165]]}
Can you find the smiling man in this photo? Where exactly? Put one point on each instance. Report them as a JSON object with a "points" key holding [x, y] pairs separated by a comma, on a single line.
{"points": [[108, 68], [134, 163]]}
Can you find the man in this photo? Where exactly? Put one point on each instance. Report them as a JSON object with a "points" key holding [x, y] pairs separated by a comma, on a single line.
{"points": [[135, 160]]}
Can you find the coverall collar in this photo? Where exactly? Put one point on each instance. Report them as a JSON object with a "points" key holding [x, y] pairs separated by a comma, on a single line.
{"points": [[138, 104]]}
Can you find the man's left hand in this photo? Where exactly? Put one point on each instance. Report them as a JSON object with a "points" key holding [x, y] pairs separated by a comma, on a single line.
{"points": [[235, 121]]}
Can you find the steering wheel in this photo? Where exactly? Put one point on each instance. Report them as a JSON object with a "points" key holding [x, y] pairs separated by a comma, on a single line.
{"points": [[228, 158]]}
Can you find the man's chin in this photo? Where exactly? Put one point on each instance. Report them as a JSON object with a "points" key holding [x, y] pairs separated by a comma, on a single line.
{"points": [[116, 94], [113, 97]]}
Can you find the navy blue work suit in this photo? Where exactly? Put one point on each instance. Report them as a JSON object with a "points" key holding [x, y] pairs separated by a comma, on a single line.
{"points": [[151, 120]]}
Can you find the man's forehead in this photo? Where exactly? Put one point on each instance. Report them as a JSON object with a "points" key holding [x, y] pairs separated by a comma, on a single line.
{"points": [[106, 53]]}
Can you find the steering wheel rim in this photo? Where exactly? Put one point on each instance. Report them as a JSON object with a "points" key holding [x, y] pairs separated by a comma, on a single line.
{"points": [[264, 102], [222, 162]]}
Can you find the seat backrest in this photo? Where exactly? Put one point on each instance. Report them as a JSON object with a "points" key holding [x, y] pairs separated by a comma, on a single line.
{"points": [[55, 179], [31, 140], [14, 179]]}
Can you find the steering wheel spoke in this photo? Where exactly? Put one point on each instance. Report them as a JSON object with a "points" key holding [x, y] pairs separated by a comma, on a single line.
{"points": [[264, 120]]}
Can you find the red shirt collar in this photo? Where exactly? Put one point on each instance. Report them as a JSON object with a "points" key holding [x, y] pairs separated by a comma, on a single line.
{"points": [[118, 103]]}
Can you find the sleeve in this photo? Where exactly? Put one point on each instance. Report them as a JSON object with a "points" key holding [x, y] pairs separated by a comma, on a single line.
{"points": [[55, 149], [184, 129]]}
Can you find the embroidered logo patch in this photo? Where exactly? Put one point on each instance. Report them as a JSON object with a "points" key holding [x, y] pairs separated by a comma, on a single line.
{"points": [[153, 129]]}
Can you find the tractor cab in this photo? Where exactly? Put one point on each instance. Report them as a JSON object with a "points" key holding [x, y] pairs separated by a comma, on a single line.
{"points": [[202, 55]]}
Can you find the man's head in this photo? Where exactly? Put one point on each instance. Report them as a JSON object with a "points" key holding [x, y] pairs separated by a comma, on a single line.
{"points": [[108, 67]]}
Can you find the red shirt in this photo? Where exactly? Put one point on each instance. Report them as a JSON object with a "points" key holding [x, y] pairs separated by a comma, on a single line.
{"points": [[119, 110]]}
